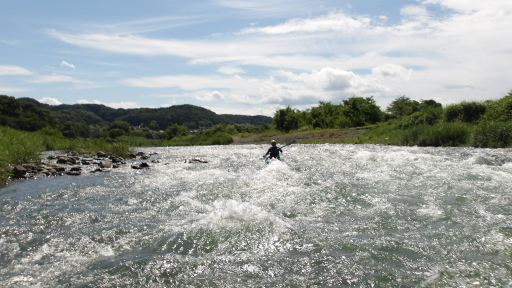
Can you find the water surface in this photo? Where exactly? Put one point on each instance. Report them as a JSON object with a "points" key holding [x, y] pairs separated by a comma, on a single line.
{"points": [[329, 215]]}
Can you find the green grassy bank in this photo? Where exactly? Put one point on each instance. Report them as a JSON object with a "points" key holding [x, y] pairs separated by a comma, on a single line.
{"points": [[21, 147]]}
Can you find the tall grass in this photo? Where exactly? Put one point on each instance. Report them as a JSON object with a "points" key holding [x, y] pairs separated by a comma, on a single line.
{"points": [[20, 147], [493, 134], [17, 148], [440, 135]]}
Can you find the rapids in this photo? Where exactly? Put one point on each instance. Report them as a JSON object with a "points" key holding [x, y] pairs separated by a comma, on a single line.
{"points": [[329, 215]]}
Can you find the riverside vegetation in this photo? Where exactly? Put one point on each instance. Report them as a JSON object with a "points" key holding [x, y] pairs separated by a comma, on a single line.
{"points": [[27, 127]]}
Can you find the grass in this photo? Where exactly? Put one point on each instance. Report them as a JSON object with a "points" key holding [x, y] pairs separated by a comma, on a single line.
{"points": [[19, 147]]}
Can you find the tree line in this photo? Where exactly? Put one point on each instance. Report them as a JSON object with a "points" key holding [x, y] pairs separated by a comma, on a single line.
{"points": [[410, 122], [100, 121]]}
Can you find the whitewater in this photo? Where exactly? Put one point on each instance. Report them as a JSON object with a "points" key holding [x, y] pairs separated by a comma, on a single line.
{"points": [[329, 215]]}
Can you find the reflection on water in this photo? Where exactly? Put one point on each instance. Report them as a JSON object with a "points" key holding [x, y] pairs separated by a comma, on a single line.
{"points": [[329, 215]]}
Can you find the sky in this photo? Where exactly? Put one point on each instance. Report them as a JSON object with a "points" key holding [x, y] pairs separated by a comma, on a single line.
{"points": [[254, 57]]}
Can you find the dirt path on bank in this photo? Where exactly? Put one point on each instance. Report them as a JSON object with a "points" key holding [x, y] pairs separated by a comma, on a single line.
{"points": [[310, 137]]}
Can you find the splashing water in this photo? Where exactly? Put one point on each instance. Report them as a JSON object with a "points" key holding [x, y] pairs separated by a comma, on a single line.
{"points": [[329, 215]]}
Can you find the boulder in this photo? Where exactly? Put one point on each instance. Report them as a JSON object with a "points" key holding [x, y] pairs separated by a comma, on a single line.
{"points": [[19, 171], [101, 154], [105, 164], [141, 166]]}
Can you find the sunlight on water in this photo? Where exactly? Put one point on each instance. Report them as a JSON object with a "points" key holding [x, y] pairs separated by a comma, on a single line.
{"points": [[329, 215]]}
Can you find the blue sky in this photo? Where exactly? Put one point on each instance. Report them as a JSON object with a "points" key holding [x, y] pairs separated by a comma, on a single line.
{"points": [[254, 57]]}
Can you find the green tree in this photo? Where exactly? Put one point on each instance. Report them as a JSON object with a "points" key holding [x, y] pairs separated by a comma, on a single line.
{"points": [[123, 125], [403, 106], [286, 119], [116, 132], [75, 130], [362, 111], [176, 130]]}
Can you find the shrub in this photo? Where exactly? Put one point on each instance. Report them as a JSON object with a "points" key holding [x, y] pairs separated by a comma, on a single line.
{"points": [[500, 110], [443, 134], [468, 112], [493, 134], [429, 116]]}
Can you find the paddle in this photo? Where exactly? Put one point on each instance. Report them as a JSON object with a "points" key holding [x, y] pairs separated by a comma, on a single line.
{"points": [[289, 143]]}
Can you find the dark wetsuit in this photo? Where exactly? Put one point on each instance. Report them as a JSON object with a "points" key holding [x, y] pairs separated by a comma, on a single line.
{"points": [[274, 152]]}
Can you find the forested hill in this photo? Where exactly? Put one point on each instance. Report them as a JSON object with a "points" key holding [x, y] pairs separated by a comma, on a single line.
{"points": [[153, 118]]}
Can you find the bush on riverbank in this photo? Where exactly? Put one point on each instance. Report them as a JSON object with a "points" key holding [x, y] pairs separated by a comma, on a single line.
{"points": [[485, 125]]}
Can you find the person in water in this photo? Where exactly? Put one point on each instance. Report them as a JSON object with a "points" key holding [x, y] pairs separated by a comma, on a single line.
{"points": [[273, 151]]}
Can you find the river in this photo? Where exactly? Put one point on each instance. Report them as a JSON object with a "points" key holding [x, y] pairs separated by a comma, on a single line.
{"points": [[329, 215]]}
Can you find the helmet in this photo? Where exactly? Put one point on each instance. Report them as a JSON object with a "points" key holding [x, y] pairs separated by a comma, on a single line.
{"points": [[273, 141]]}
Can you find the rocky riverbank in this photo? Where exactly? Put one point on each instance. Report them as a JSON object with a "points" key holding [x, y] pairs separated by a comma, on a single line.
{"points": [[74, 165]]}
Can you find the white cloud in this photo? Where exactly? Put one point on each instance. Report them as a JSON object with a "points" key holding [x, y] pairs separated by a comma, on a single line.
{"points": [[83, 101], [53, 79], [124, 105], [66, 64], [414, 11], [6, 90], [13, 70], [270, 8], [78, 84], [461, 54], [50, 101], [191, 82], [393, 71], [230, 70], [332, 22], [213, 96]]}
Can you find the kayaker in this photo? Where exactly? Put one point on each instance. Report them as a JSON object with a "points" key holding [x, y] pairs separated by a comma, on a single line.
{"points": [[274, 150]]}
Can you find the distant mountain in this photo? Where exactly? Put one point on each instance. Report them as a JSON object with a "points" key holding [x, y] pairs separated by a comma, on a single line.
{"points": [[154, 118]]}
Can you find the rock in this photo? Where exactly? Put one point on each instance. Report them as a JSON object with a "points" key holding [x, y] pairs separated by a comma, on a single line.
{"points": [[19, 171], [117, 160], [105, 164], [101, 154], [195, 160], [73, 173], [141, 166], [66, 160]]}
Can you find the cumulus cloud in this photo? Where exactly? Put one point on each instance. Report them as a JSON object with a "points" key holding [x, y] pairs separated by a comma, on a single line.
{"points": [[393, 71], [13, 70], [50, 101], [66, 64], [329, 56], [208, 97], [331, 80]]}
